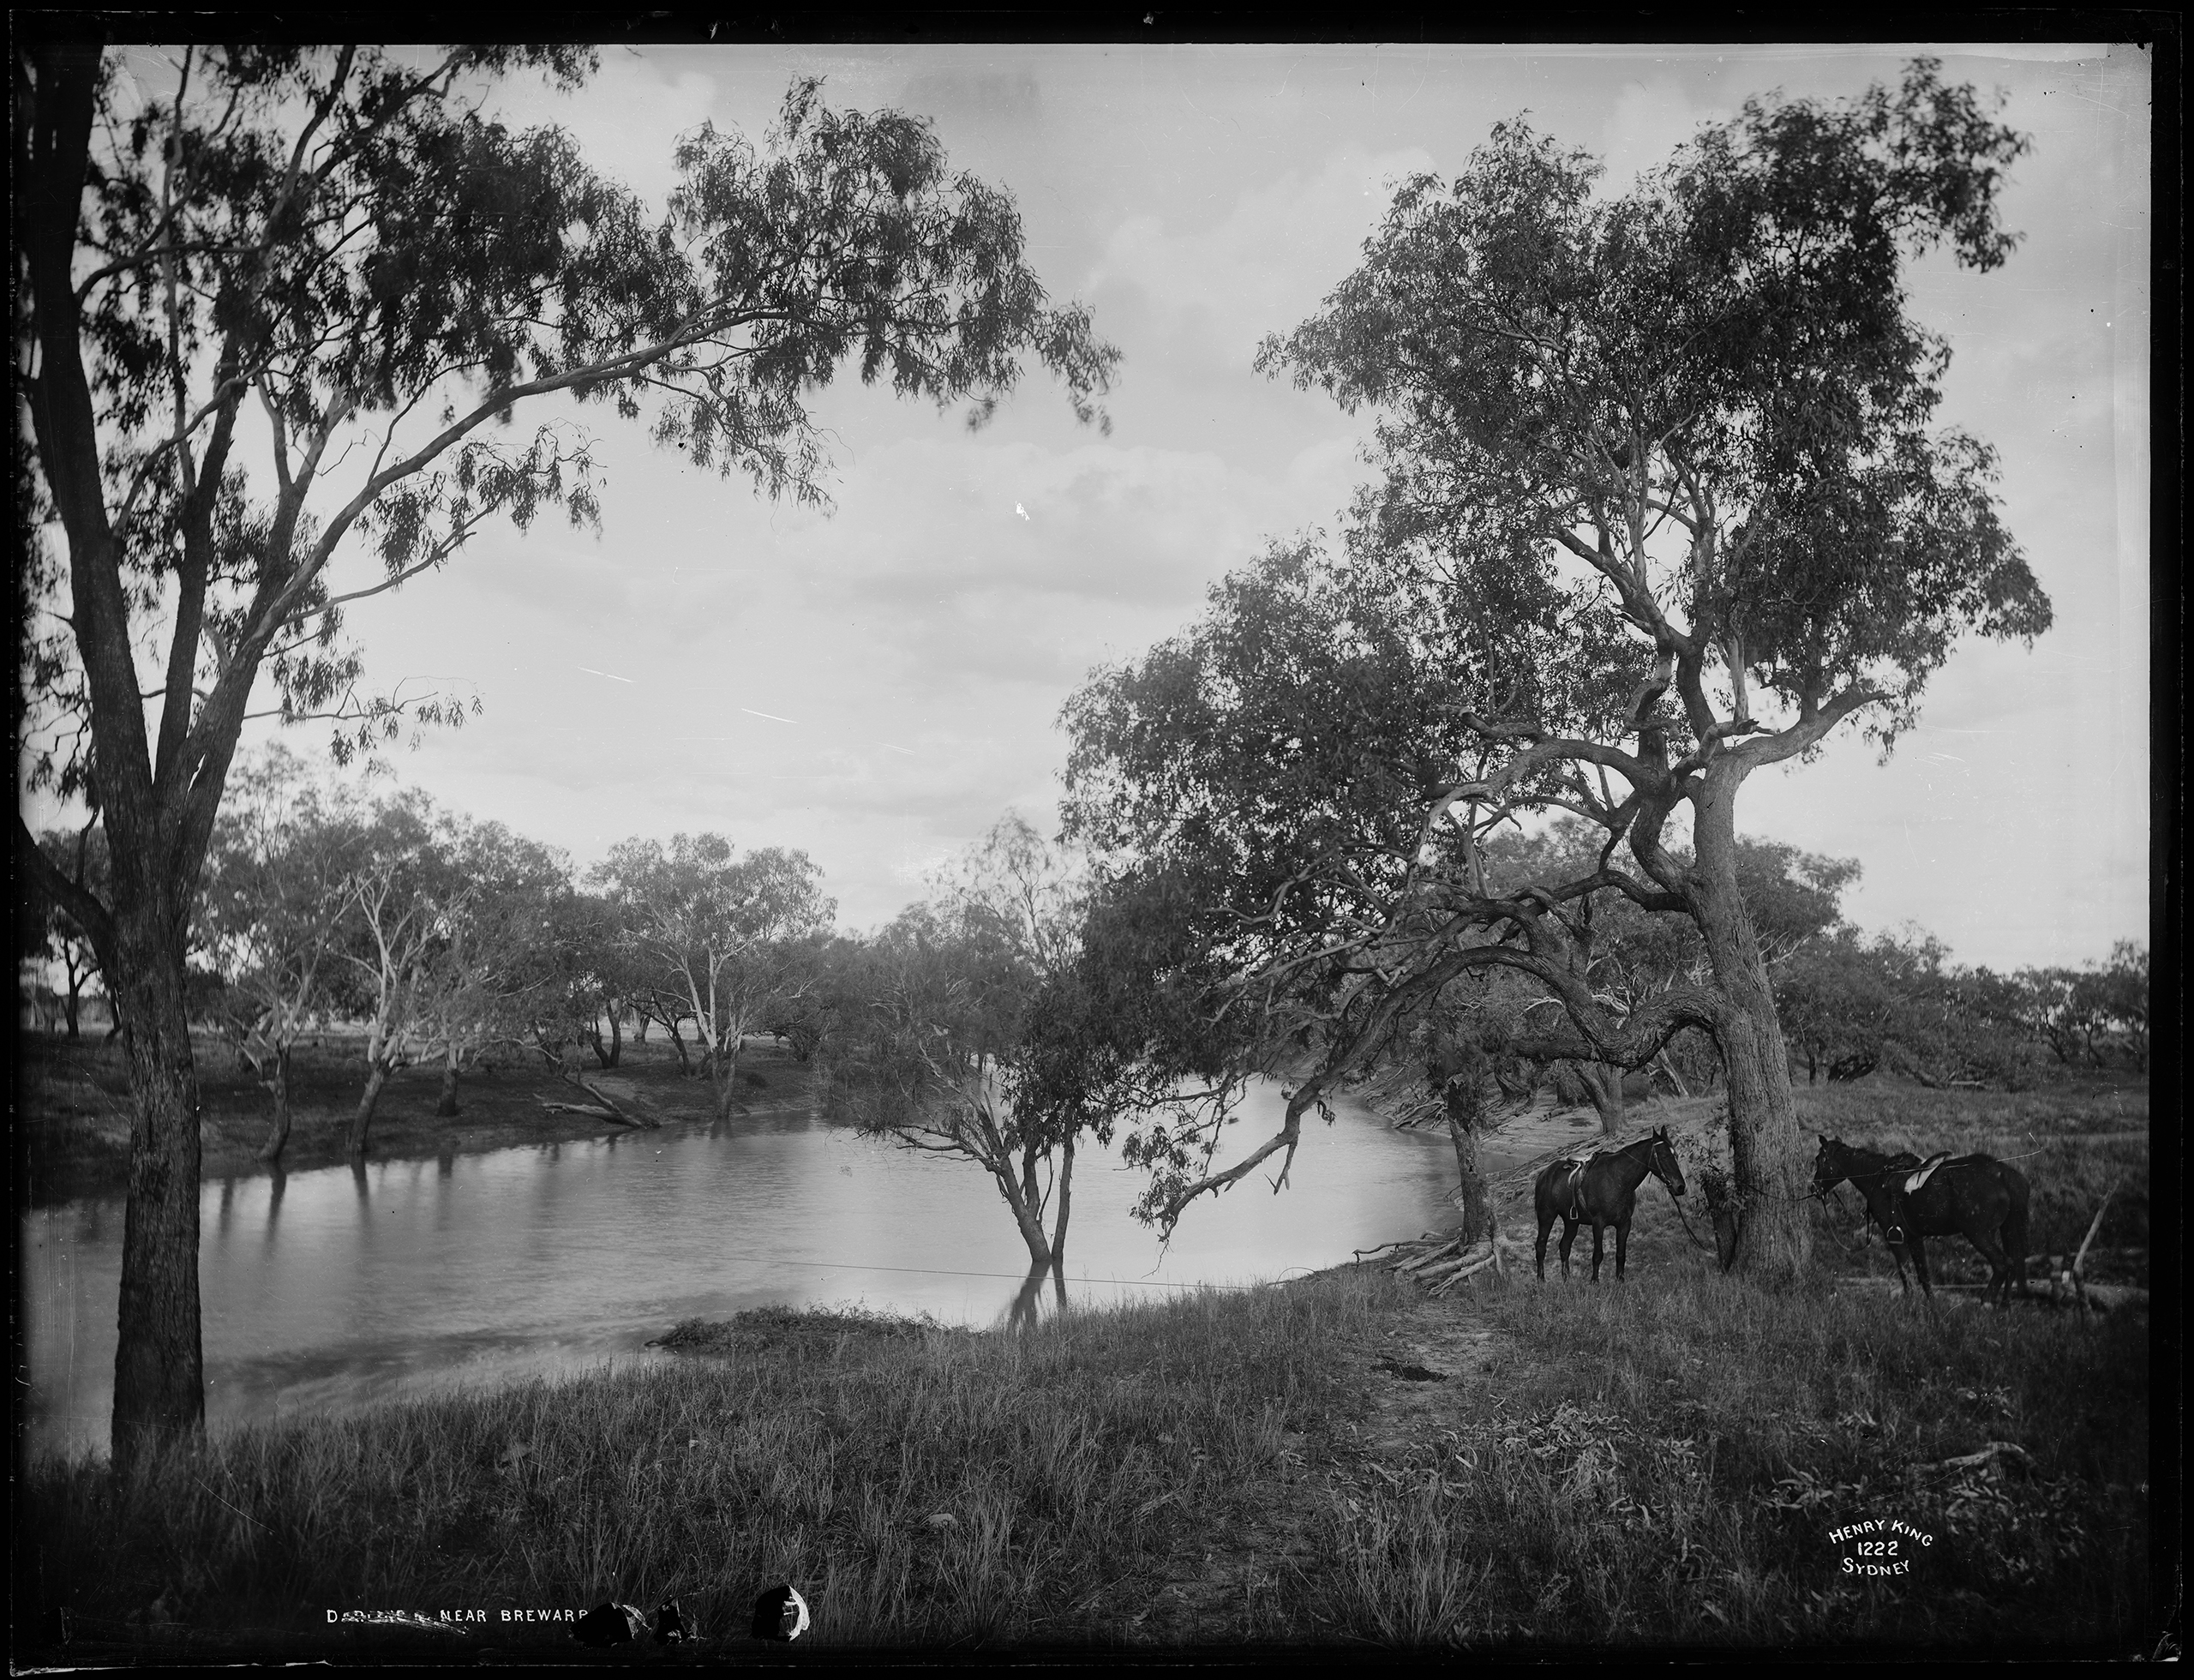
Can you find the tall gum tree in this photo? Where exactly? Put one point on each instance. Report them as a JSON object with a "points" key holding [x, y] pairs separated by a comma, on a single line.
{"points": [[717, 931], [275, 896], [329, 260], [1659, 484]]}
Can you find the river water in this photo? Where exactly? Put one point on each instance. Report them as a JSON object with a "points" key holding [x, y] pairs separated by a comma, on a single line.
{"points": [[328, 1290]]}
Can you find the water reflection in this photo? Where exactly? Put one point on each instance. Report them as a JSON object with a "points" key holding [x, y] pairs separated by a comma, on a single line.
{"points": [[345, 1286]]}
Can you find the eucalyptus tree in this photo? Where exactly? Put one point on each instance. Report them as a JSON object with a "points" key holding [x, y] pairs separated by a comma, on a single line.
{"points": [[584, 978], [330, 259], [1660, 492], [402, 897], [2088, 1011], [51, 934], [956, 1036], [276, 896], [448, 920], [717, 931], [499, 906]]}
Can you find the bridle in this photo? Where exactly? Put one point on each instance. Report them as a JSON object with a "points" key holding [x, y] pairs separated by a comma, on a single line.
{"points": [[1674, 1184], [1851, 1169]]}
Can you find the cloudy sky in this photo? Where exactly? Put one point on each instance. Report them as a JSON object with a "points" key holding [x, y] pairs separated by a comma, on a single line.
{"points": [[877, 686]]}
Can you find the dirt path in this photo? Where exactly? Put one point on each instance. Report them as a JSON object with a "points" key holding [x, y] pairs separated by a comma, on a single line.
{"points": [[1425, 1371]]}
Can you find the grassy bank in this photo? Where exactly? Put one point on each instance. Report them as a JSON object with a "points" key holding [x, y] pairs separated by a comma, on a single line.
{"points": [[1339, 1459], [1335, 1460], [2082, 1145], [72, 1107]]}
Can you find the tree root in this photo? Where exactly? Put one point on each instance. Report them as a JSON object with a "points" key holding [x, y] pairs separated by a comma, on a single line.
{"points": [[1444, 1262]]}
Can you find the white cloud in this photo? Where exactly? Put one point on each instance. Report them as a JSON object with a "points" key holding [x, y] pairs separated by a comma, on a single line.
{"points": [[1265, 264]]}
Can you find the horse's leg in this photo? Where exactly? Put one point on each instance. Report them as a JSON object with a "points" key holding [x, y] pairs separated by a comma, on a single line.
{"points": [[1999, 1266], [1599, 1232], [1568, 1236], [2013, 1234], [1913, 1241], [1896, 1254], [1546, 1225], [1621, 1244]]}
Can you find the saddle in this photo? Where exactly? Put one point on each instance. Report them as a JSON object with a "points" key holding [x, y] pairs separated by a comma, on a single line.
{"points": [[1566, 1187], [1933, 1164]]}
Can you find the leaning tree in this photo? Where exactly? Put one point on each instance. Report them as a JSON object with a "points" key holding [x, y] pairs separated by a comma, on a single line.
{"points": [[333, 260], [1661, 494], [952, 1031]]}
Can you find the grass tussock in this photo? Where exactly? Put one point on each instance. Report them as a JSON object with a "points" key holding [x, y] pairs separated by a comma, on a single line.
{"points": [[1675, 1480], [922, 1487], [1654, 1463]]}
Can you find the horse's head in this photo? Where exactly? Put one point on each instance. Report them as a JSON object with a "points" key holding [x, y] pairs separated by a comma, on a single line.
{"points": [[1664, 1163], [1831, 1167]]}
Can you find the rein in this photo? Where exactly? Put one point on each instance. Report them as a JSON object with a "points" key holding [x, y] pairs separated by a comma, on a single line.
{"points": [[1691, 1234]]}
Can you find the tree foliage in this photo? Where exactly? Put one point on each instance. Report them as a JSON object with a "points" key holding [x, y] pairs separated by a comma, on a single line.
{"points": [[270, 921], [942, 1046], [1658, 503], [47, 933], [715, 931], [334, 261]]}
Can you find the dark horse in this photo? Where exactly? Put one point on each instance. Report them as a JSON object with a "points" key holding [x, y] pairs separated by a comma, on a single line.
{"points": [[1602, 1189], [1975, 1196]]}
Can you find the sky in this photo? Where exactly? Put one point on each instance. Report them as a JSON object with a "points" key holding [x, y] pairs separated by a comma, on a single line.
{"points": [[877, 685]]}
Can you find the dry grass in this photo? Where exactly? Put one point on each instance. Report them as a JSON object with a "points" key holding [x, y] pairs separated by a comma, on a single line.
{"points": [[1656, 1463]]}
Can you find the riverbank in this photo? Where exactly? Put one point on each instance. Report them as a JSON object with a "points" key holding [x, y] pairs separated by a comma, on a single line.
{"points": [[72, 1107], [1339, 1459], [2081, 1143]]}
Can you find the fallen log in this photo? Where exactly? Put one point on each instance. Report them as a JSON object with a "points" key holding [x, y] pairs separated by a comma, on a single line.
{"points": [[1995, 1449], [592, 1114], [2103, 1296], [2057, 1259]]}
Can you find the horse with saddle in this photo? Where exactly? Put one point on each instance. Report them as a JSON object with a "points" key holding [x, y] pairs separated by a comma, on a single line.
{"points": [[1602, 1187], [1975, 1196]]}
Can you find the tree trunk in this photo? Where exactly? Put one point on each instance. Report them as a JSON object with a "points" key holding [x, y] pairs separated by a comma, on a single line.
{"points": [[640, 1028], [159, 1386], [1470, 1176], [606, 1059], [1773, 1168], [1059, 1223], [278, 1085], [446, 1109], [1667, 1065], [1019, 1198], [1603, 1085], [376, 1076], [722, 1070], [677, 1043], [76, 990]]}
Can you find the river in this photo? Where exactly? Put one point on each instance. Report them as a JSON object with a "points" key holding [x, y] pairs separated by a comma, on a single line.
{"points": [[328, 1290]]}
